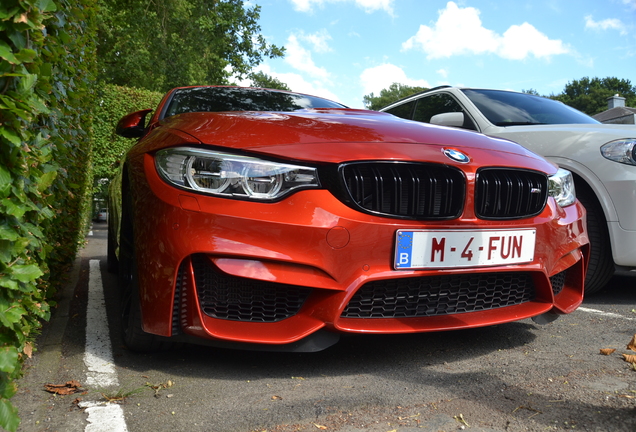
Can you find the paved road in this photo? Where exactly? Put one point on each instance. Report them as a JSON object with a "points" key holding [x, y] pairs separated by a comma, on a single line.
{"points": [[512, 377]]}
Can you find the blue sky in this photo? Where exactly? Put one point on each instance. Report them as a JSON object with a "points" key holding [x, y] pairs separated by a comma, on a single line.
{"points": [[345, 49]]}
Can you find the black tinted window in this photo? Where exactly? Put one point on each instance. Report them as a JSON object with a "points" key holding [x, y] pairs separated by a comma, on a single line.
{"points": [[435, 104], [404, 110], [504, 108], [219, 99]]}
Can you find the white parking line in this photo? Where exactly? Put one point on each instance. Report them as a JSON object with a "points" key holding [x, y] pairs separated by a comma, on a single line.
{"points": [[605, 314], [98, 358]]}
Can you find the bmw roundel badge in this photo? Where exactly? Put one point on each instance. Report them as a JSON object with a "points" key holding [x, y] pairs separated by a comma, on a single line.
{"points": [[456, 155]]}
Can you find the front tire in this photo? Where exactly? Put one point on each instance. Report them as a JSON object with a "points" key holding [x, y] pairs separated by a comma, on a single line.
{"points": [[601, 266], [133, 335]]}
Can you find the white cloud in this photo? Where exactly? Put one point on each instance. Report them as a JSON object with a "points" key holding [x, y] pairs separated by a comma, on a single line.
{"points": [[519, 42], [369, 6], [377, 78], [443, 73], [606, 24], [297, 83], [319, 40], [459, 31], [630, 3], [300, 59]]}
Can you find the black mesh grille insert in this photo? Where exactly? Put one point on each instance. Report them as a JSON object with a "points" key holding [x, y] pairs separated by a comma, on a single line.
{"points": [[239, 299], [558, 282], [502, 193], [406, 190], [440, 295], [180, 299]]}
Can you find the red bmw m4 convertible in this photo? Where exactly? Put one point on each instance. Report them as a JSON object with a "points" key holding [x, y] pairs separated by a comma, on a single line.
{"points": [[263, 219]]}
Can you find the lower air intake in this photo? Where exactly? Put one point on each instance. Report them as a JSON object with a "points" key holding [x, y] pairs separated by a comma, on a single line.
{"points": [[440, 295], [239, 299]]}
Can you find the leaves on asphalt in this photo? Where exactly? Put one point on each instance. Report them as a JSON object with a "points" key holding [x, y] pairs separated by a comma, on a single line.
{"points": [[69, 387], [460, 418], [630, 358], [632, 344], [158, 387]]}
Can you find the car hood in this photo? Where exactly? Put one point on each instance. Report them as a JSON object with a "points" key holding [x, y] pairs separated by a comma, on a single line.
{"points": [[334, 136], [557, 140], [316, 132]]}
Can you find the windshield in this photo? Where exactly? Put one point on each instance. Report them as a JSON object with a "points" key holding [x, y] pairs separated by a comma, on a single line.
{"points": [[219, 99], [503, 108]]}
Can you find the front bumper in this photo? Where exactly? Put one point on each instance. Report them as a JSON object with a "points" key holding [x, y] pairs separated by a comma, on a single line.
{"points": [[279, 273]]}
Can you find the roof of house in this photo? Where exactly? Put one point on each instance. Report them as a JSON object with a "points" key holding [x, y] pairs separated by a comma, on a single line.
{"points": [[614, 113]]}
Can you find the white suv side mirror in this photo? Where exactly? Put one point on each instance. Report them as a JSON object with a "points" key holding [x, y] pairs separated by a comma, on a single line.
{"points": [[452, 119]]}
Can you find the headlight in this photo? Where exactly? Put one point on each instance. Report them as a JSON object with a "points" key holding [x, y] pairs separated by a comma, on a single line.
{"points": [[562, 188], [623, 151], [231, 175]]}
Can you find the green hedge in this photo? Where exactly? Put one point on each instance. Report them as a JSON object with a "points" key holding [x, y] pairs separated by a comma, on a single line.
{"points": [[114, 102], [47, 68]]}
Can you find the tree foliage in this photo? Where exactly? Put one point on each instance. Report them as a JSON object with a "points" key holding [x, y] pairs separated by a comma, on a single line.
{"points": [[262, 80], [47, 65], [590, 95], [162, 44], [394, 93]]}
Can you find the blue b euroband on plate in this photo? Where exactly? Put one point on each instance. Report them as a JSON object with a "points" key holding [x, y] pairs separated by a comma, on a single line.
{"points": [[456, 248]]}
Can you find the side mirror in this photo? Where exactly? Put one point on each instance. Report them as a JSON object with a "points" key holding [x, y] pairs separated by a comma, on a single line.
{"points": [[452, 119], [133, 124]]}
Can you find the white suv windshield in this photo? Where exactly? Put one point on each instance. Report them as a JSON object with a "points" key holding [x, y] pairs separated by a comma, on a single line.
{"points": [[504, 108]]}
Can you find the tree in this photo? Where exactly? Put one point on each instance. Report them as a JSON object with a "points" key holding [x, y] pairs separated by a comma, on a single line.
{"points": [[261, 79], [161, 44], [590, 94], [531, 92], [394, 93]]}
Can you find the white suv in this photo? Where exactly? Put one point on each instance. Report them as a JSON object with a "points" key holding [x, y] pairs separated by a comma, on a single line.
{"points": [[601, 157]]}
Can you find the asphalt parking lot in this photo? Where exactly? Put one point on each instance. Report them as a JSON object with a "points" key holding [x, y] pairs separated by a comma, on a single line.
{"points": [[512, 377]]}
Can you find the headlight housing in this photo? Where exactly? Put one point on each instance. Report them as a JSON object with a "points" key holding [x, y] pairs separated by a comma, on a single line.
{"points": [[623, 151], [233, 176], [562, 188]]}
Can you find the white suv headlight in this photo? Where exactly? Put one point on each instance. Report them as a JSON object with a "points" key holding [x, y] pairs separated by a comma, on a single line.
{"points": [[562, 188], [623, 151], [232, 176]]}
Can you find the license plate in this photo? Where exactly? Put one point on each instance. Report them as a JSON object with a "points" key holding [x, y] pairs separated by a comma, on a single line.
{"points": [[445, 248]]}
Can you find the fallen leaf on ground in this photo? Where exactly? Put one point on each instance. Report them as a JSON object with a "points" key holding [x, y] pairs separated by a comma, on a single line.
{"points": [[632, 344], [607, 351], [276, 397], [28, 349], [67, 388], [629, 358], [460, 418], [320, 426], [160, 386]]}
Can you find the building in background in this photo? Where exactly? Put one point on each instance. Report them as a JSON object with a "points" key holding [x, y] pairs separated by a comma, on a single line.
{"points": [[617, 112]]}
